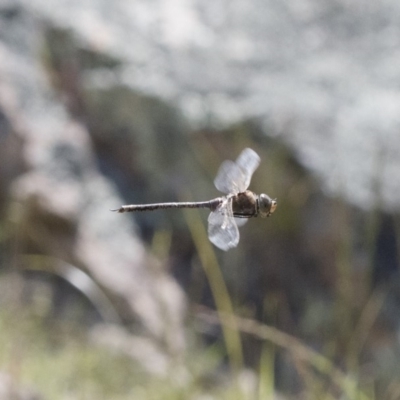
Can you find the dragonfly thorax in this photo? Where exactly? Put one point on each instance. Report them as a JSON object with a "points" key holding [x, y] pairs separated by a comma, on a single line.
{"points": [[244, 204], [266, 206]]}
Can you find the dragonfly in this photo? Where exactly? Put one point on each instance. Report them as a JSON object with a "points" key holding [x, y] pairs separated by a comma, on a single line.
{"points": [[228, 211]]}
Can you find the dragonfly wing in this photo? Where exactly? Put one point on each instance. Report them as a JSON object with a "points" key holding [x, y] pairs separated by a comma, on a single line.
{"points": [[248, 161], [241, 221], [234, 177], [222, 228], [229, 178]]}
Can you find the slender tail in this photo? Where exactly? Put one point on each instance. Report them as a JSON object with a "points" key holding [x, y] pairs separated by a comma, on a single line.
{"points": [[211, 204]]}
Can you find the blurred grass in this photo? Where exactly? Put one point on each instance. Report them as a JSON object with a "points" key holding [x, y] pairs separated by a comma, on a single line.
{"points": [[60, 361], [266, 385], [219, 290], [320, 376], [233, 325]]}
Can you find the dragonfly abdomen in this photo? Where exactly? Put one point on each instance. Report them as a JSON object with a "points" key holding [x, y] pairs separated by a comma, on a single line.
{"points": [[211, 204]]}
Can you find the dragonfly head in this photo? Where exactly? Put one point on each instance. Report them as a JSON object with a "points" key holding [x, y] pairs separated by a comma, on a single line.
{"points": [[266, 205]]}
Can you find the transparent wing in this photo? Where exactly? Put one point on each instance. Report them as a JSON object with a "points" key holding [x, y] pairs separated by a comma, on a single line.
{"points": [[248, 161], [240, 221], [222, 228], [230, 178], [234, 177]]}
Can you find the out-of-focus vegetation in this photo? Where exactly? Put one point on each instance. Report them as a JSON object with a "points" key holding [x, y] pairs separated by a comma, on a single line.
{"points": [[56, 357], [58, 360], [298, 314]]}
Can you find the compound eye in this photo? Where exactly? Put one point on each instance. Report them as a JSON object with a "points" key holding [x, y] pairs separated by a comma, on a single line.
{"points": [[267, 206]]}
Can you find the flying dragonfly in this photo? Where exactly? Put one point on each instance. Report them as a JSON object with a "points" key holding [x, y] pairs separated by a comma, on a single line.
{"points": [[229, 211]]}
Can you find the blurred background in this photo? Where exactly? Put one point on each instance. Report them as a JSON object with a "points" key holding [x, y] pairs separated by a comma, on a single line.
{"points": [[132, 101]]}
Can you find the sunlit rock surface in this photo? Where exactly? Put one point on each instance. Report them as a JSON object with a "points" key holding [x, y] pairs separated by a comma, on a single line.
{"points": [[321, 74]]}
